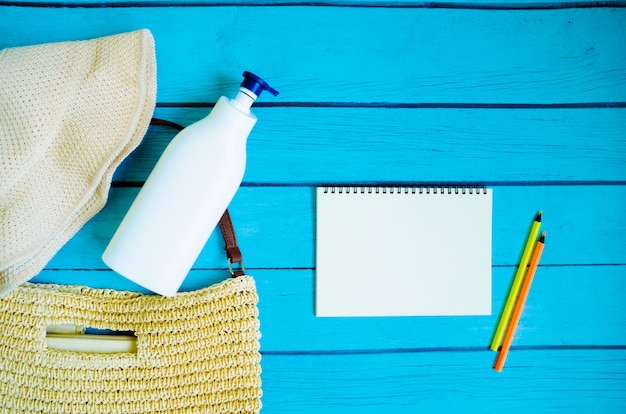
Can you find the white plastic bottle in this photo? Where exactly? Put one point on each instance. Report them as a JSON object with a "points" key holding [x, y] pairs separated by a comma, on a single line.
{"points": [[185, 195]]}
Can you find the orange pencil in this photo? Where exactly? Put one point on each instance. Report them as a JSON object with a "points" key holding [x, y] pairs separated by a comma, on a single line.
{"points": [[519, 305]]}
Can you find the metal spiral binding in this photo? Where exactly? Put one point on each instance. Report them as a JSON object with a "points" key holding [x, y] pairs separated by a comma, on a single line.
{"points": [[415, 189]]}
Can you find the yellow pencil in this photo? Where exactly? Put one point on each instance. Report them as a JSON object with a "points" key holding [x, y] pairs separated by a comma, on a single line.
{"points": [[517, 282], [519, 305]]}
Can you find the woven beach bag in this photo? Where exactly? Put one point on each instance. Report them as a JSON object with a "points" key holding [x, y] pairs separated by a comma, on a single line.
{"points": [[195, 352]]}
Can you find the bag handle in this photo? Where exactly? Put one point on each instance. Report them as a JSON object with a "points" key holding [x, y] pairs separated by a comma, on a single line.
{"points": [[233, 254]]}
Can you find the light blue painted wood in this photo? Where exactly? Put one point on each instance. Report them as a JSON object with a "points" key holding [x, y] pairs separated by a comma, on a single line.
{"points": [[568, 306], [344, 54], [341, 145], [447, 382], [276, 227], [568, 353]]}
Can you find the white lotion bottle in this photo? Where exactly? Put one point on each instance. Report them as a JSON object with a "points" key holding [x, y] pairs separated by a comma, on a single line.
{"points": [[185, 195]]}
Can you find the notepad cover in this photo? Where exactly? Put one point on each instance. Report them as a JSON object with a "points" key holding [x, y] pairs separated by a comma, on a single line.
{"points": [[408, 252]]}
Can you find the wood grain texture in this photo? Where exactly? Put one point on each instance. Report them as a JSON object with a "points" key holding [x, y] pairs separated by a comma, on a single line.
{"points": [[340, 145], [557, 312], [276, 227], [527, 96], [386, 55], [446, 382]]}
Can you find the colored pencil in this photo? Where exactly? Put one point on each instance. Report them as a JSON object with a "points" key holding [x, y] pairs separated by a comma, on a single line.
{"points": [[517, 282], [519, 305]]}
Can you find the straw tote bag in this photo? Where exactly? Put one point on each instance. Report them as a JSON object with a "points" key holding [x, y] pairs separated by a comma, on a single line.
{"points": [[194, 352]]}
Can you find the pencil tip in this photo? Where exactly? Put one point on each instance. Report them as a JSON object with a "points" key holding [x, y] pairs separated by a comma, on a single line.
{"points": [[538, 217], [543, 237]]}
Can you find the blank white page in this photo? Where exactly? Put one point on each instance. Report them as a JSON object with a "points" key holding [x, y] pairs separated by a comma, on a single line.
{"points": [[403, 253]]}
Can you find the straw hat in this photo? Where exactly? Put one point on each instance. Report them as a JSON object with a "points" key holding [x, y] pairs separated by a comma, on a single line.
{"points": [[70, 112]]}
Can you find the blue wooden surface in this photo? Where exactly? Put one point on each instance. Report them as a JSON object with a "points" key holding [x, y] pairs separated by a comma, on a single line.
{"points": [[528, 97]]}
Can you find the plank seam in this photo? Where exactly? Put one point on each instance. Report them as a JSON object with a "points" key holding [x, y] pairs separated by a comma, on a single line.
{"points": [[400, 4], [444, 349], [589, 183], [419, 105], [288, 269]]}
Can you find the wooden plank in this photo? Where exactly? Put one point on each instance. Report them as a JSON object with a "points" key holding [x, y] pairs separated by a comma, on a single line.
{"points": [[276, 227], [552, 381], [330, 145], [557, 312], [570, 350], [567, 306], [431, 55]]}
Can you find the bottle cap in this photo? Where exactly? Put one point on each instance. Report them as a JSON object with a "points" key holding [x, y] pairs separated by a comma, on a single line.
{"points": [[256, 85]]}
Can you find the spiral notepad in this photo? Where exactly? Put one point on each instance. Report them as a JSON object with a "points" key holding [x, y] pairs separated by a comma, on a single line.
{"points": [[408, 251]]}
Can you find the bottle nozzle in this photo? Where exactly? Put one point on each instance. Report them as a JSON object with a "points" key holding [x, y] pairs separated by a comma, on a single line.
{"points": [[256, 85]]}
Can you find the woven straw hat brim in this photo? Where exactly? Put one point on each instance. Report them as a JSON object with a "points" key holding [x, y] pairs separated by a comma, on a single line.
{"points": [[70, 112]]}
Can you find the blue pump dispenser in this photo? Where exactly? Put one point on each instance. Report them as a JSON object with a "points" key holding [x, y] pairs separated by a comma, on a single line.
{"points": [[256, 85]]}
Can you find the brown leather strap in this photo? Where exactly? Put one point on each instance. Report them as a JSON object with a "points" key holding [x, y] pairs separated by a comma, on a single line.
{"points": [[232, 250], [226, 225]]}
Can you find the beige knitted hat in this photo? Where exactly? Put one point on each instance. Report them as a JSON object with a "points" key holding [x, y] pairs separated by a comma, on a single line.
{"points": [[69, 114]]}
